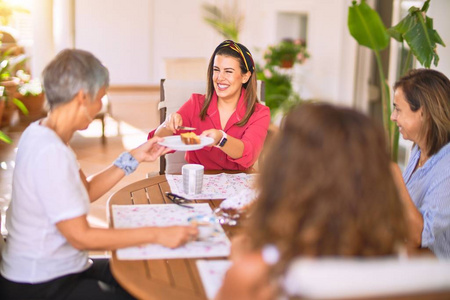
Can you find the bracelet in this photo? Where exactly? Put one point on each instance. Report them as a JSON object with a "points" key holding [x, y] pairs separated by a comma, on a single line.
{"points": [[126, 162]]}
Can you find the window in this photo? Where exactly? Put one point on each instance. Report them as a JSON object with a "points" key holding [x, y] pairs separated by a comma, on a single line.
{"points": [[292, 26]]}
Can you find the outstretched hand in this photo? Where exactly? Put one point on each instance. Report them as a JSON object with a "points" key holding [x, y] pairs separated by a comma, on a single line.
{"points": [[172, 122], [150, 150], [175, 236], [213, 133]]}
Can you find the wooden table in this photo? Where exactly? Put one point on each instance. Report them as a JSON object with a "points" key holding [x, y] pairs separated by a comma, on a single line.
{"points": [[156, 279]]}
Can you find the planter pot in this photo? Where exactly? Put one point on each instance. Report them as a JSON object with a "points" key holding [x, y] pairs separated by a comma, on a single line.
{"points": [[287, 64], [2, 107], [35, 106], [10, 114], [10, 86]]}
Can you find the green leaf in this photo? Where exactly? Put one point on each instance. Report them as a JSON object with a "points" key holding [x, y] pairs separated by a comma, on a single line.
{"points": [[401, 28], [20, 105], [366, 27], [5, 138], [419, 34], [425, 6], [421, 40]]}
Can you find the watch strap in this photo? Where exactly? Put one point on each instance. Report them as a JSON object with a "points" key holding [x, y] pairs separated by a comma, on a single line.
{"points": [[223, 140]]}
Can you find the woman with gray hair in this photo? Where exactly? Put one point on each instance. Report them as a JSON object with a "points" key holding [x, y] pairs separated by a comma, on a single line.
{"points": [[46, 252]]}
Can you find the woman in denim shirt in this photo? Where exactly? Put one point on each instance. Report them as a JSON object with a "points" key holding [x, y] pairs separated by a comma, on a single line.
{"points": [[422, 113]]}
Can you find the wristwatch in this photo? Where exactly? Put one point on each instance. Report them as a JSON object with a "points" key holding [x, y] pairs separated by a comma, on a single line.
{"points": [[223, 140]]}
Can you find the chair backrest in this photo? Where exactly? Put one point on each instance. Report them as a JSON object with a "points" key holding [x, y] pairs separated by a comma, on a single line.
{"points": [[174, 93], [380, 278], [186, 68], [2, 242]]}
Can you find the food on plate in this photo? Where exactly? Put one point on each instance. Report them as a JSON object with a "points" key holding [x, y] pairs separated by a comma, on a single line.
{"points": [[190, 138]]}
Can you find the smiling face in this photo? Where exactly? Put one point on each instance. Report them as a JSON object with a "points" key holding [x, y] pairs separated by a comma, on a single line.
{"points": [[409, 122], [228, 78]]}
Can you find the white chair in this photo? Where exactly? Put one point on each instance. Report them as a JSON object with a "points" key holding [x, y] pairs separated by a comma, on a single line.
{"points": [[174, 93], [380, 278]]}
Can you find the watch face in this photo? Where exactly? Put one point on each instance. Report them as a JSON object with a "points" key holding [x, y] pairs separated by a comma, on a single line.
{"points": [[222, 143]]}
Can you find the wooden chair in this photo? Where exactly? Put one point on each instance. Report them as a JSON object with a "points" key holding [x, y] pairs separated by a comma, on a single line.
{"points": [[104, 112], [173, 94]]}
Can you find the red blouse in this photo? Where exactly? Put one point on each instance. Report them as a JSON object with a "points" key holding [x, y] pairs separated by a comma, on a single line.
{"points": [[252, 134]]}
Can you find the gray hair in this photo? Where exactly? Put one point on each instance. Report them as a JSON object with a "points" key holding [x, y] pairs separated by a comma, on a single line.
{"points": [[69, 72]]}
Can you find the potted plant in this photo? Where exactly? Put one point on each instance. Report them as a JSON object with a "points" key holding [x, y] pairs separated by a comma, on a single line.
{"points": [[286, 53], [3, 136], [10, 85], [30, 93], [280, 95]]}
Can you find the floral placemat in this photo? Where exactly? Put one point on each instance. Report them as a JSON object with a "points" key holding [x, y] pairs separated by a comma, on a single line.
{"points": [[212, 273], [218, 186], [132, 216]]}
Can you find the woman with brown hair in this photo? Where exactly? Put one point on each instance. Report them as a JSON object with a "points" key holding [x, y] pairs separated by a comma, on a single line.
{"points": [[230, 112], [422, 113], [326, 190]]}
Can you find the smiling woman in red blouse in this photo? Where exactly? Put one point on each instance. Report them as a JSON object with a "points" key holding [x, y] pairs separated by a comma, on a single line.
{"points": [[230, 112]]}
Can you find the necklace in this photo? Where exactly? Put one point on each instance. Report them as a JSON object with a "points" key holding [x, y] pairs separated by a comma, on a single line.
{"points": [[422, 161]]}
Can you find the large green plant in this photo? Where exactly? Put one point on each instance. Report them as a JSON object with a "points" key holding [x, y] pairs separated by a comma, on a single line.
{"points": [[416, 29], [280, 96]]}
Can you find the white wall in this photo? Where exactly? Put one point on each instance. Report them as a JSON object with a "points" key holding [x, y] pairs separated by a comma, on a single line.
{"points": [[43, 48], [119, 33], [134, 39], [330, 70], [178, 30]]}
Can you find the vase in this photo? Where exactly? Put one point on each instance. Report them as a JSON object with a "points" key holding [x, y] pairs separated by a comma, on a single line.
{"points": [[34, 105]]}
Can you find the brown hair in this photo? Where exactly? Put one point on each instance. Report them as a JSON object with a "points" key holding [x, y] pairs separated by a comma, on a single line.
{"points": [[430, 90], [250, 97], [326, 188]]}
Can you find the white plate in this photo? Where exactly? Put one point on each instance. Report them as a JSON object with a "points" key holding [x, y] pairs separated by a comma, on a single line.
{"points": [[175, 143]]}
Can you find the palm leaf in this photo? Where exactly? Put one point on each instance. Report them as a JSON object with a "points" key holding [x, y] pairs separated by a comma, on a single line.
{"points": [[5, 138], [226, 21], [20, 105], [366, 27], [418, 32], [401, 28]]}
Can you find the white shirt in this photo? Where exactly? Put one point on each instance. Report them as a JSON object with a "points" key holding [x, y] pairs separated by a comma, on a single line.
{"points": [[47, 189]]}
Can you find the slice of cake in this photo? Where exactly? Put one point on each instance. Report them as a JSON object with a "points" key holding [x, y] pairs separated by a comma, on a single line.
{"points": [[190, 138]]}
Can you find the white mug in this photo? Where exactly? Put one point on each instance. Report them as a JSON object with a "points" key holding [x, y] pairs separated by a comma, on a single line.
{"points": [[192, 178]]}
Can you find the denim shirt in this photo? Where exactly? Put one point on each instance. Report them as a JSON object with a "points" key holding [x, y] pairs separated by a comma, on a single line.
{"points": [[429, 188]]}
